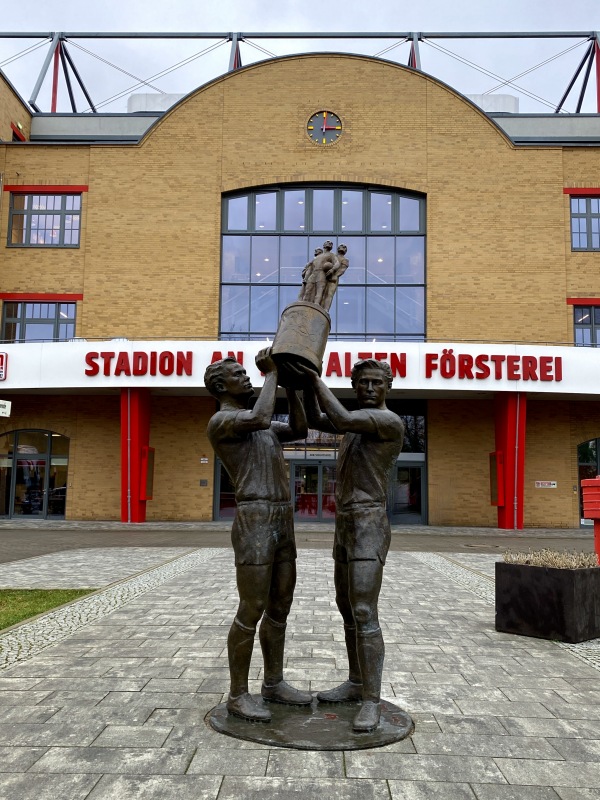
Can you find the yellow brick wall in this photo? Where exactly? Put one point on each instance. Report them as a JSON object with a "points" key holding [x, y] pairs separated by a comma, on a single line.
{"points": [[178, 434], [460, 437], [44, 269], [12, 109], [549, 455]]}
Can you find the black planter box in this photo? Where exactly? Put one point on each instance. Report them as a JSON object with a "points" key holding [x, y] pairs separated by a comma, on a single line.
{"points": [[548, 603]]}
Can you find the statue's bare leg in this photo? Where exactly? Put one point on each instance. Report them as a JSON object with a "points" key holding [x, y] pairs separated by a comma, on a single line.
{"points": [[352, 688], [321, 287], [272, 637], [364, 587], [308, 294], [253, 587]]}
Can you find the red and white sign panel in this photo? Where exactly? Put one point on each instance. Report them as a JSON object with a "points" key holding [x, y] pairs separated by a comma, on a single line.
{"points": [[423, 368]]}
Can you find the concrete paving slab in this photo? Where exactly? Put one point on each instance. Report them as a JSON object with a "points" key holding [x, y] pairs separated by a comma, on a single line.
{"points": [[288, 763], [550, 773], [486, 745], [488, 792], [450, 769], [214, 762], [156, 787], [47, 787], [421, 790], [302, 789], [123, 760]]}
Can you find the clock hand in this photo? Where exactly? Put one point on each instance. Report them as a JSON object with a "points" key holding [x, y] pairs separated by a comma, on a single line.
{"points": [[327, 127], [324, 128]]}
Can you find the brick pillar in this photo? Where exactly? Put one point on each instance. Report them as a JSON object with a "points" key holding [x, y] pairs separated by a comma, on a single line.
{"points": [[510, 415], [135, 434]]}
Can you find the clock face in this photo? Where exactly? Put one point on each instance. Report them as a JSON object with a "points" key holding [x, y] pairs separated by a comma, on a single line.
{"points": [[324, 127]]}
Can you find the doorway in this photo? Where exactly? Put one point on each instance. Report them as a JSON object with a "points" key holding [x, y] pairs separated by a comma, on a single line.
{"points": [[406, 494], [33, 474], [313, 490]]}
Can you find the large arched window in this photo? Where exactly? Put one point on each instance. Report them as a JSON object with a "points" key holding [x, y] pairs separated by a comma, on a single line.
{"points": [[269, 236]]}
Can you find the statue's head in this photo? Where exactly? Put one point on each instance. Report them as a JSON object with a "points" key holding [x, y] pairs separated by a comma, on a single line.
{"points": [[318, 251], [227, 376], [369, 369], [328, 245], [342, 249]]}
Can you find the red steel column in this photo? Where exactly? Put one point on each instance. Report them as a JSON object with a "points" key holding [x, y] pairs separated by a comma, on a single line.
{"points": [[135, 434], [55, 79], [510, 417]]}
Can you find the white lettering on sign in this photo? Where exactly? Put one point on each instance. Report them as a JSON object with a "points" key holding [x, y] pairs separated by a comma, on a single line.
{"points": [[545, 484], [3, 365]]}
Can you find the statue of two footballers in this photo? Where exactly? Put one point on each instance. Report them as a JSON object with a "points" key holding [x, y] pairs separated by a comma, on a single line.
{"points": [[248, 443]]}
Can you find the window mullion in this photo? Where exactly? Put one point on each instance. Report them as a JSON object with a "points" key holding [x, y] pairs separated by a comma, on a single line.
{"points": [[337, 212], [308, 220], [62, 219]]}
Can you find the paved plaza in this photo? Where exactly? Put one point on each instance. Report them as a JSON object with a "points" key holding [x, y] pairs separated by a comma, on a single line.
{"points": [[105, 698]]}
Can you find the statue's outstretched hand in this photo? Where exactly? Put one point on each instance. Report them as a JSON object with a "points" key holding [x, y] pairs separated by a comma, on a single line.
{"points": [[264, 361], [309, 373]]}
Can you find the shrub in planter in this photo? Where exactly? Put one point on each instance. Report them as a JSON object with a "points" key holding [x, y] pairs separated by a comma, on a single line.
{"points": [[549, 595]]}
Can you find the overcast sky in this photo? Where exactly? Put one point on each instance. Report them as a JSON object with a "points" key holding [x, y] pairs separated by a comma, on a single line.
{"points": [[146, 59]]}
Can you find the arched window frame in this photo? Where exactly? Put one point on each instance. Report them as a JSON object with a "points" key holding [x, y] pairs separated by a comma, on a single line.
{"points": [[388, 306]]}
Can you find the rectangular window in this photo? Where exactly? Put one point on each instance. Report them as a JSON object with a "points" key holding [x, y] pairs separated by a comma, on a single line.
{"points": [[44, 220], [38, 322], [587, 326], [585, 223]]}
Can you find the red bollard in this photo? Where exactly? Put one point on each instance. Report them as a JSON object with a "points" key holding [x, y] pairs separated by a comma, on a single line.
{"points": [[591, 507]]}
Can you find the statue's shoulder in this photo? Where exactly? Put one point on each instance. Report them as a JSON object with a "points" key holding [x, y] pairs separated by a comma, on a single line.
{"points": [[220, 425], [389, 425]]}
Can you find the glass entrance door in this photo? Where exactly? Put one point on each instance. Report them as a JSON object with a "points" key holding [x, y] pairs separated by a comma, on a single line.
{"points": [[30, 495], [33, 474], [405, 495], [313, 491]]}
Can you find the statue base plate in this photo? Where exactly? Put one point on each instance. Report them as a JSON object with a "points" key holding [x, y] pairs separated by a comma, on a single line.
{"points": [[320, 726]]}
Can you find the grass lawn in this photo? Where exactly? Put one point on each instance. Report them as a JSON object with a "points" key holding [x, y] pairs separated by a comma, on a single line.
{"points": [[19, 604]]}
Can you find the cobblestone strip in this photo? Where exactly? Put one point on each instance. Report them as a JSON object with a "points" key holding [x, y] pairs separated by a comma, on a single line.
{"points": [[589, 652], [30, 638], [475, 582]]}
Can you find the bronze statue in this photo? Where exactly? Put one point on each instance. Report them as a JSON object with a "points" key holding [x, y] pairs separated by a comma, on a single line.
{"points": [[334, 275], [372, 440], [321, 275], [249, 445]]}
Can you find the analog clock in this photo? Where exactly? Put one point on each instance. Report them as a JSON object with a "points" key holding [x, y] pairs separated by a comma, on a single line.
{"points": [[324, 127]]}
